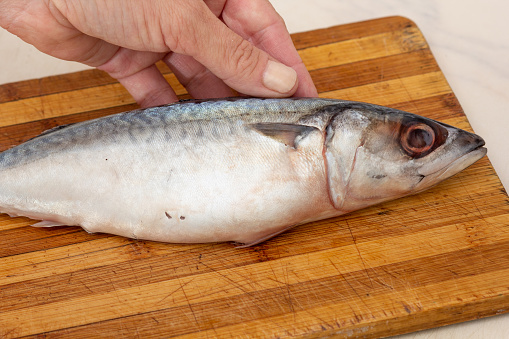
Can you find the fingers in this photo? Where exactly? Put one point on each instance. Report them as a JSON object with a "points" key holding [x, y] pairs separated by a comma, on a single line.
{"points": [[89, 32], [186, 27], [258, 22], [231, 58], [244, 67], [198, 80], [137, 72], [149, 88]]}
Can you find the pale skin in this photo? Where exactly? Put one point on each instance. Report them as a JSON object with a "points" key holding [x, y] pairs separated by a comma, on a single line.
{"points": [[212, 46]]}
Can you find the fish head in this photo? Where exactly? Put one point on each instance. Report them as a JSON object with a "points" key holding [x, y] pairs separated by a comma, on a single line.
{"points": [[375, 154]]}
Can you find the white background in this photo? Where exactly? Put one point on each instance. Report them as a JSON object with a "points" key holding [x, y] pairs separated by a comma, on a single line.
{"points": [[469, 39]]}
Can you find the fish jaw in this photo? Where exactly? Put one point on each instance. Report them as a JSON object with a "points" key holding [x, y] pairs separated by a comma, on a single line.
{"points": [[453, 168]]}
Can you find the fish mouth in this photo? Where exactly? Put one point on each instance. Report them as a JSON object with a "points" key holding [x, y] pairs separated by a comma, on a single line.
{"points": [[454, 167], [462, 162]]}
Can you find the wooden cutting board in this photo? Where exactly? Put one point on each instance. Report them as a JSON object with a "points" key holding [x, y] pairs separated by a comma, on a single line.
{"points": [[428, 260]]}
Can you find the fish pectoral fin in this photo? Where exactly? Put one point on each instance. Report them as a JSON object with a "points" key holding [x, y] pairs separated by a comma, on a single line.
{"points": [[48, 223], [266, 237], [288, 134]]}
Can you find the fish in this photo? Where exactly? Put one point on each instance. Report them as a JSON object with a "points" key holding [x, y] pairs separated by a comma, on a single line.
{"points": [[232, 170]]}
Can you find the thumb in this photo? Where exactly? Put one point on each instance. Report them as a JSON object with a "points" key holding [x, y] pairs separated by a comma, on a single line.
{"points": [[241, 65]]}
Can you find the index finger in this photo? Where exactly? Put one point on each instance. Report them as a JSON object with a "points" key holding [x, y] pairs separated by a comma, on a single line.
{"points": [[258, 22]]}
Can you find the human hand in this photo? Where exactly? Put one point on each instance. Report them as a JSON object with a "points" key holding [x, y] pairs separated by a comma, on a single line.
{"points": [[210, 45]]}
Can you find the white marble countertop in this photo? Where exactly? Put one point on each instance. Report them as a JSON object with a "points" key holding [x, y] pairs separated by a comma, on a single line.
{"points": [[468, 38]]}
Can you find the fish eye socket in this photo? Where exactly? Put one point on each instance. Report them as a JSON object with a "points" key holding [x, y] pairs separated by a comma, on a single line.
{"points": [[419, 139]]}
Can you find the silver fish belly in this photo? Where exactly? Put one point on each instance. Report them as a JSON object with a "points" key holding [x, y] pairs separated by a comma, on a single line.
{"points": [[238, 170]]}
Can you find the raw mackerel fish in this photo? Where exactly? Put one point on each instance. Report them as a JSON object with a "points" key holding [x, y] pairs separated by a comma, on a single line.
{"points": [[239, 170]]}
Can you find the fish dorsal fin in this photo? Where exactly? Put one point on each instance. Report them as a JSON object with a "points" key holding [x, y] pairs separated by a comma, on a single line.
{"points": [[288, 134]]}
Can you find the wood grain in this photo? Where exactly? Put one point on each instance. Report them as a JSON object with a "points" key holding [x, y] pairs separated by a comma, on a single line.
{"points": [[427, 260]]}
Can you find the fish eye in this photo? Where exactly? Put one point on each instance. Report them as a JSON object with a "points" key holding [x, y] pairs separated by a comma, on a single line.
{"points": [[419, 139]]}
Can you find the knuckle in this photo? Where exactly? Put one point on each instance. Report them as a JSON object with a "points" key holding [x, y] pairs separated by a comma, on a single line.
{"points": [[175, 38], [181, 32], [244, 58]]}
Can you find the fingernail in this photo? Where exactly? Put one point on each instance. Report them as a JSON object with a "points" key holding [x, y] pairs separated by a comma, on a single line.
{"points": [[278, 77]]}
